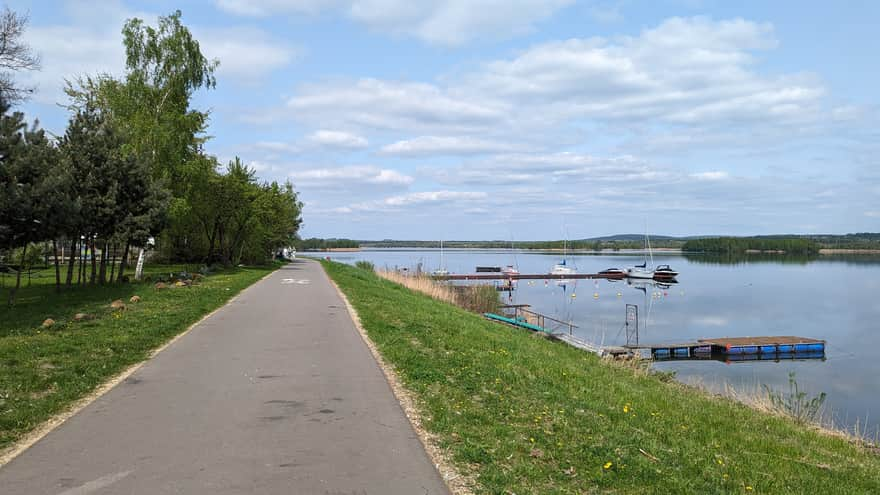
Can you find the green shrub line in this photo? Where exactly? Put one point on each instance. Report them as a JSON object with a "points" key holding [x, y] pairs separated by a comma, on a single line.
{"points": [[44, 370], [522, 414]]}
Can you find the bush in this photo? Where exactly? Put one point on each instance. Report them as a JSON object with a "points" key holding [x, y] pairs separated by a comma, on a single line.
{"points": [[365, 265]]}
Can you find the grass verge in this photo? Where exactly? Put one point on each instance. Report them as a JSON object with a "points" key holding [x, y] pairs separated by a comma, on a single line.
{"points": [[45, 370], [521, 414]]}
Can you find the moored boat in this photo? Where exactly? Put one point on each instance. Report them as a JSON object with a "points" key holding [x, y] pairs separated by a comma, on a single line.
{"points": [[664, 272], [562, 269]]}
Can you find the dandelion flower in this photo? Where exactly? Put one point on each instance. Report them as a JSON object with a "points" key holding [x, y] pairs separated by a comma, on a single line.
{"points": [[607, 465]]}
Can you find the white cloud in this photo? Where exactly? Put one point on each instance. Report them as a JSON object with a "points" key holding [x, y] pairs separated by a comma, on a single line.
{"points": [[419, 198], [712, 175], [96, 50], [674, 85], [373, 104], [343, 177], [432, 197], [446, 145], [479, 176], [606, 13], [337, 139], [245, 54], [86, 47], [453, 22], [554, 171], [277, 147], [441, 22], [263, 8], [688, 71]]}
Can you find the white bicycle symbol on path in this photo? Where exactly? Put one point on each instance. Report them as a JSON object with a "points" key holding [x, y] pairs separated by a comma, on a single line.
{"points": [[295, 281]]}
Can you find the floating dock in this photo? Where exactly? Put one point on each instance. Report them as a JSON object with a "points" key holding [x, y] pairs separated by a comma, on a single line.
{"points": [[530, 276], [738, 346]]}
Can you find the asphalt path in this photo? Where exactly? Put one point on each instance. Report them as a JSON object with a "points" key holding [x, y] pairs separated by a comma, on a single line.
{"points": [[276, 393]]}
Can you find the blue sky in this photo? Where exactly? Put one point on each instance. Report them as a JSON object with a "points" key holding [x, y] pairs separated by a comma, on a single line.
{"points": [[524, 119]]}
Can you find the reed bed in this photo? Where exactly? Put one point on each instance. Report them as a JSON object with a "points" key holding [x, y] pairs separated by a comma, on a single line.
{"points": [[480, 298]]}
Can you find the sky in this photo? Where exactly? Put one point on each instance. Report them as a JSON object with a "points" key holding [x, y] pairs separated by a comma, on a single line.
{"points": [[522, 119]]}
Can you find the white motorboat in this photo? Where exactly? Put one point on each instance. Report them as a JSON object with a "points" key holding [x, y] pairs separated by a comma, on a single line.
{"points": [[510, 270]]}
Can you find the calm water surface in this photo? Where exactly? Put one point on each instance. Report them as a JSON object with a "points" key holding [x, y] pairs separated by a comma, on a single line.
{"points": [[827, 299]]}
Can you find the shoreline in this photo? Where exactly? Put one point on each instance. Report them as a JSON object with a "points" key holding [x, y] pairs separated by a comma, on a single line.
{"points": [[821, 252], [641, 428]]}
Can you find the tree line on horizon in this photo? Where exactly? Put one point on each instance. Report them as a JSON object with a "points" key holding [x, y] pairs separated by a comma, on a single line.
{"points": [[732, 245], [130, 170], [796, 244]]}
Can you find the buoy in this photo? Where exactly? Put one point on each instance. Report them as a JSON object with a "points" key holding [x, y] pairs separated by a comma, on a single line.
{"points": [[595, 295], [574, 296], [619, 294]]}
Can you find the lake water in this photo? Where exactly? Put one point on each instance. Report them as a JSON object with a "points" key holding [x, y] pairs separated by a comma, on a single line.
{"points": [[825, 298]]}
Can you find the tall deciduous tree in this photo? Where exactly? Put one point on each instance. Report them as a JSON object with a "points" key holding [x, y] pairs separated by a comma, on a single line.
{"points": [[151, 104], [15, 55]]}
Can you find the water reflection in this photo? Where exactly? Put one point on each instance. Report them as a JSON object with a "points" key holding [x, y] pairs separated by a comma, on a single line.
{"points": [[832, 298], [745, 358], [744, 258], [782, 259]]}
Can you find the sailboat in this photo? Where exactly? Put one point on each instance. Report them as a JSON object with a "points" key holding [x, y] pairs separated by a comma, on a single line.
{"points": [[442, 271], [511, 269], [642, 271], [562, 268]]}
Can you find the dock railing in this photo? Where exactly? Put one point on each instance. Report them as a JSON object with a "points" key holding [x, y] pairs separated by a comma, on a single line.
{"points": [[535, 318]]}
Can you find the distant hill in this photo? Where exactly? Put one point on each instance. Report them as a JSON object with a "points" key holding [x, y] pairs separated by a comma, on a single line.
{"points": [[636, 241]]}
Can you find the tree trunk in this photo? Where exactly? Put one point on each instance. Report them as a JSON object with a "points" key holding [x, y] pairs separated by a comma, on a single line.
{"points": [[124, 260], [57, 268], [94, 276], [18, 276], [82, 262], [71, 263], [102, 273], [112, 264]]}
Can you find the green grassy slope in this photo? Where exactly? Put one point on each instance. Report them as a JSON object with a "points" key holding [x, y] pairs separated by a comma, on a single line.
{"points": [[528, 415]]}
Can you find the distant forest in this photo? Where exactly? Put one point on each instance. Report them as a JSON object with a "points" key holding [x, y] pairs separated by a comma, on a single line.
{"points": [[794, 244], [577, 244], [729, 245], [315, 244]]}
